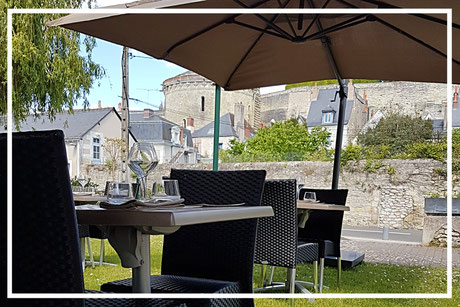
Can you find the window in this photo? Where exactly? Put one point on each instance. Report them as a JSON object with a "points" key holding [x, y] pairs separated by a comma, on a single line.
{"points": [[221, 146], [184, 121], [96, 149], [202, 103], [175, 134], [328, 117]]}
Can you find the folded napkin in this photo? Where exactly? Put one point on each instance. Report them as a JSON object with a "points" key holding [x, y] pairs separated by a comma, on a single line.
{"points": [[131, 203], [118, 204], [222, 205], [161, 203]]}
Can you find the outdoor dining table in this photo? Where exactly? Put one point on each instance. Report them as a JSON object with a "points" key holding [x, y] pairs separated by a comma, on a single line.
{"points": [[305, 206], [130, 229]]}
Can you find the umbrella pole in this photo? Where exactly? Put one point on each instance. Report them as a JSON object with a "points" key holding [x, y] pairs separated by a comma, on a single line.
{"points": [[343, 99], [215, 154], [339, 136]]}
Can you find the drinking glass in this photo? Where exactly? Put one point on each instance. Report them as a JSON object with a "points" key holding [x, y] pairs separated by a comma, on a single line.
{"points": [[299, 187], [82, 180], [142, 160], [117, 192], [167, 189], [309, 196]]}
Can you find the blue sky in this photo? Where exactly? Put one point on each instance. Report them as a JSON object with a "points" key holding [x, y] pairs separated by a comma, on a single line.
{"points": [[145, 75]]}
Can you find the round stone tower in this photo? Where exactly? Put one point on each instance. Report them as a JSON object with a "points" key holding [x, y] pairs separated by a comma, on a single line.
{"points": [[191, 96]]}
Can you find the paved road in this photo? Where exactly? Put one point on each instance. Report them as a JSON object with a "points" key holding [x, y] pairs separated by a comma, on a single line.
{"points": [[401, 253], [405, 235]]}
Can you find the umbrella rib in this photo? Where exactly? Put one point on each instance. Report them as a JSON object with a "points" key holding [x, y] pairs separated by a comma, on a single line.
{"points": [[419, 41], [427, 17], [314, 19], [287, 18], [310, 25], [269, 22], [206, 30], [300, 18], [250, 48], [245, 56], [257, 29], [343, 25]]}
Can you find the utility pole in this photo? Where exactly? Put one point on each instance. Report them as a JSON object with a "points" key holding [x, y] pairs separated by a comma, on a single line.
{"points": [[125, 114]]}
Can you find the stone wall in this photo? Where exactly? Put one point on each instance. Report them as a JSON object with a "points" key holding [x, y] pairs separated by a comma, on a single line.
{"points": [[391, 196], [409, 98], [435, 230]]}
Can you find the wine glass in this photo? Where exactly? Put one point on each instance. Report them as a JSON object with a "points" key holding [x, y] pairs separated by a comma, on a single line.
{"points": [[82, 180], [142, 160]]}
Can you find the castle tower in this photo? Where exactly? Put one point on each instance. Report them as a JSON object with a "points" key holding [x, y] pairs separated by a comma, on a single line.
{"points": [[189, 95]]}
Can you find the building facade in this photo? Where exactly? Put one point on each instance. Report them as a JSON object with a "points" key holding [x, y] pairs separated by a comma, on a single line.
{"points": [[85, 132], [173, 143]]}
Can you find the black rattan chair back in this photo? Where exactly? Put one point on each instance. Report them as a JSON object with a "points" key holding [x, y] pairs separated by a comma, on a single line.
{"points": [[325, 225], [276, 241], [46, 254], [222, 251]]}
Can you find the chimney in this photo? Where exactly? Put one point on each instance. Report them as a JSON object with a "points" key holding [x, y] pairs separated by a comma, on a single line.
{"points": [[148, 113], [99, 104], [351, 90], [314, 92], [365, 102], [238, 121], [455, 100], [119, 106], [190, 124], [247, 132]]}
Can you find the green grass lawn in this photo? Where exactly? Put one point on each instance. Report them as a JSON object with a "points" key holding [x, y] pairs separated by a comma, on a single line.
{"points": [[365, 278]]}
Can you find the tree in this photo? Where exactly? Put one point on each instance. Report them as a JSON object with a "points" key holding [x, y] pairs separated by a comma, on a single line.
{"points": [[397, 132], [49, 72], [283, 141], [113, 151]]}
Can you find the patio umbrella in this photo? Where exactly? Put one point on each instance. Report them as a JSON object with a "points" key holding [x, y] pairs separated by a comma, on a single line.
{"points": [[240, 51]]}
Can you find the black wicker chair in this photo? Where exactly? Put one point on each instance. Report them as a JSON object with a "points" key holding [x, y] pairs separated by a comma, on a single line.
{"points": [[277, 242], [45, 225], [213, 257], [325, 228]]}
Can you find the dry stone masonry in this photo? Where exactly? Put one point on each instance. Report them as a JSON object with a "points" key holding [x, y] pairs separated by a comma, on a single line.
{"points": [[378, 198]]}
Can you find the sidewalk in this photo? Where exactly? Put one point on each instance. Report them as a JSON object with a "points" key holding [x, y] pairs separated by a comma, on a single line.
{"points": [[400, 253]]}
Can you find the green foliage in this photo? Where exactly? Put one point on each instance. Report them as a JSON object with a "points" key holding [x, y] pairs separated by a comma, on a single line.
{"points": [[50, 73], [372, 166], [397, 132], [326, 82], [435, 195], [286, 141], [352, 153], [391, 170], [236, 148], [427, 150]]}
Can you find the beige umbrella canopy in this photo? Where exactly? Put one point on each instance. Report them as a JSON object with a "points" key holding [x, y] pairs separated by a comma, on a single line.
{"points": [[248, 51], [240, 51]]}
